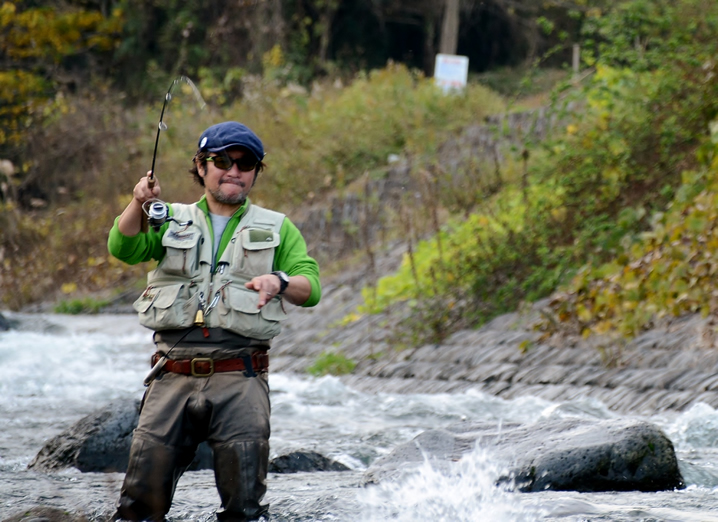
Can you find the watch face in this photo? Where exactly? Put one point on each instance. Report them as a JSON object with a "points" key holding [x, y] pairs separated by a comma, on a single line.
{"points": [[284, 280]]}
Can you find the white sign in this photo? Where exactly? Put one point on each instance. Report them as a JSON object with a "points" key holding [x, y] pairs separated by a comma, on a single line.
{"points": [[451, 72]]}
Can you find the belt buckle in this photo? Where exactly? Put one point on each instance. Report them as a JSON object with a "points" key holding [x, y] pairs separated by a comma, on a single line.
{"points": [[196, 360]]}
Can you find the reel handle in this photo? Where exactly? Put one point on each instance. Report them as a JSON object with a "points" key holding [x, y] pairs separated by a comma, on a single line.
{"points": [[155, 371]]}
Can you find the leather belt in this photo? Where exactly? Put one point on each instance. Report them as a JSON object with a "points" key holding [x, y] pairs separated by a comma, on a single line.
{"points": [[205, 367]]}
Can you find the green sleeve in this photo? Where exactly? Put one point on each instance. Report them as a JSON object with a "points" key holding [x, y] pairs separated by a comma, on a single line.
{"points": [[291, 257], [136, 249]]}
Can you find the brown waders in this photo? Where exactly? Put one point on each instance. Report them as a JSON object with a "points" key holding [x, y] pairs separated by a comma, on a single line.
{"points": [[228, 410]]}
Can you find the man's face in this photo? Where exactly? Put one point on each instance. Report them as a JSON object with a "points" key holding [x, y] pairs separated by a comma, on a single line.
{"points": [[228, 187]]}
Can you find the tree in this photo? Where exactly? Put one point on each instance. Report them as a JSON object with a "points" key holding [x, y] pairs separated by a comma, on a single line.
{"points": [[450, 28], [44, 51]]}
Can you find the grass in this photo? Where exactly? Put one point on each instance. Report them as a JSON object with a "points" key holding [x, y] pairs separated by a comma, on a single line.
{"points": [[85, 305], [331, 363]]}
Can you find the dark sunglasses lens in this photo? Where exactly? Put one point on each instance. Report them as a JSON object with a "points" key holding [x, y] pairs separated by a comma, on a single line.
{"points": [[225, 163], [245, 165], [222, 162]]}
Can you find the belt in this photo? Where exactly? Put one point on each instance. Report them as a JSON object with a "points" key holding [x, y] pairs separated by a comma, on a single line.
{"points": [[205, 367]]}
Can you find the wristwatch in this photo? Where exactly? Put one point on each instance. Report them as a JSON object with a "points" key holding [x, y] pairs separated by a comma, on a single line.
{"points": [[283, 280]]}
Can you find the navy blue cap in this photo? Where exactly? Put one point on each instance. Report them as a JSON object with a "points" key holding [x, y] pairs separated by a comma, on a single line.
{"points": [[231, 134]]}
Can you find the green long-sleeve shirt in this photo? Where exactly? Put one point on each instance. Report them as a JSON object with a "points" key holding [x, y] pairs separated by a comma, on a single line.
{"points": [[290, 256]]}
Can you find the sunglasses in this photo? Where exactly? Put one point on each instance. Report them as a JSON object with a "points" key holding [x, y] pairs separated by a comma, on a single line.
{"points": [[224, 162]]}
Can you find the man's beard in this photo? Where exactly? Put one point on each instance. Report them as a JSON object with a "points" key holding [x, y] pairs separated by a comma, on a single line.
{"points": [[221, 197]]}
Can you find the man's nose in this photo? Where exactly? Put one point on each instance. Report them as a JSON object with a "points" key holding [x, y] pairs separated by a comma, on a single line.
{"points": [[234, 169]]}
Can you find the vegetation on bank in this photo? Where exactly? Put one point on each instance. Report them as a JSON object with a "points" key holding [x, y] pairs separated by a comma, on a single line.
{"points": [[638, 152], [94, 153]]}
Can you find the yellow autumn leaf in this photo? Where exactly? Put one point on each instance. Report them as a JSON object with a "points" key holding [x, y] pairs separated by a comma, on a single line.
{"points": [[559, 214], [68, 288], [583, 313]]}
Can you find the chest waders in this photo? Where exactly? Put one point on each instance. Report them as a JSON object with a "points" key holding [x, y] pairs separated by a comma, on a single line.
{"points": [[229, 410]]}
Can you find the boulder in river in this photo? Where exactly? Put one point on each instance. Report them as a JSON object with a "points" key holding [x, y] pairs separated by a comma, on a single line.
{"points": [[6, 324], [304, 461], [572, 454], [101, 442]]}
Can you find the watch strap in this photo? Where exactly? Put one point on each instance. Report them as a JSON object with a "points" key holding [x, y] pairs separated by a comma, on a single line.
{"points": [[283, 280]]}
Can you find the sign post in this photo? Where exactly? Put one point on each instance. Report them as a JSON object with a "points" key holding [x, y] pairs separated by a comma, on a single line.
{"points": [[451, 72]]}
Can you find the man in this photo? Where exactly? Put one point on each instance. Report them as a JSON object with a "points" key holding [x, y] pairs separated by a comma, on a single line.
{"points": [[215, 301]]}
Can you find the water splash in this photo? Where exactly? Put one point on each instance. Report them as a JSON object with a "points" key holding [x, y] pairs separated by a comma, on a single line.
{"points": [[696, 428], [462, 491]]}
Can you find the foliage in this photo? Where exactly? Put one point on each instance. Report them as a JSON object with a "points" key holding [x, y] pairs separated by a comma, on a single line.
{"points": [[669, 270], [331, 363], [588, 191], [642, 35], [320, 38], [40, 252], [325, 139], [38, 46], [71, 188]]}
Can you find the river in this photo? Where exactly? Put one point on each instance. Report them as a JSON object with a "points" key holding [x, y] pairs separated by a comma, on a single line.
{"points": [[57, 369]]}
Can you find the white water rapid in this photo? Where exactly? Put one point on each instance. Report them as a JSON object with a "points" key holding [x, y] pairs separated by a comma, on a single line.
{"points": [[57, 369]]}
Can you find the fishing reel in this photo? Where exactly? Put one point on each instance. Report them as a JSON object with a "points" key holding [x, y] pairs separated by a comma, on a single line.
{"points": [[158, 213]]}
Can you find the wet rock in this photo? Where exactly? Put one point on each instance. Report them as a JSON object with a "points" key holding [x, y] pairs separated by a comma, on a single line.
{"points": [[6, 324], [304, 461], [564, 455], [101, 442]]}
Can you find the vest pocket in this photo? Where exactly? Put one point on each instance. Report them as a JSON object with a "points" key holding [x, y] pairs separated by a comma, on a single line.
{"points": [[181, 253], [239, 313], [166, 307], [254, 253]]}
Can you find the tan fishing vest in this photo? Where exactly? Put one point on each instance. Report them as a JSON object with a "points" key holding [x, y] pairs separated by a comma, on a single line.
{"points": [[184, 282]]}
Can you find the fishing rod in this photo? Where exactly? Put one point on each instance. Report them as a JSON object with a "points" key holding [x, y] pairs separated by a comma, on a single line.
{"points": [[156, 212], [157, 209]]}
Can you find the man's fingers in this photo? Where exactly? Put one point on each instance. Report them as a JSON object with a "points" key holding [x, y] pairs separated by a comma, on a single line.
{"points": [[144, 190], [264, 288]]}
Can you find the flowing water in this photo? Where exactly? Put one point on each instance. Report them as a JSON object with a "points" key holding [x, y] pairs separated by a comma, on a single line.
{"points": [[57, 369]]}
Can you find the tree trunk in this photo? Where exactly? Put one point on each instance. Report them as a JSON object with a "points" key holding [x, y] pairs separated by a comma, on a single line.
{"points": [[429, 48], [450, 28], [326, 18]]}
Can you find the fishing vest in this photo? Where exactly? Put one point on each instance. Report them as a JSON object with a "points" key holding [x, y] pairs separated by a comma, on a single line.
{"points": [[186, 281]]}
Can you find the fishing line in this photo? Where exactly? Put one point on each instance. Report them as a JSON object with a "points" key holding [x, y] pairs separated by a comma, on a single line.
{"points": [[158, 206], [162, 126]]}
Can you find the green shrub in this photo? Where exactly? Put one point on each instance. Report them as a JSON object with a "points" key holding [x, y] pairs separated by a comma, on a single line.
{"points": [[331, 363], [669, 270]]}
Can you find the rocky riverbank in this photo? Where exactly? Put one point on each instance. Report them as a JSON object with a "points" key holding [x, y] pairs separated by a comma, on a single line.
{"points": [[670, 367]]}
